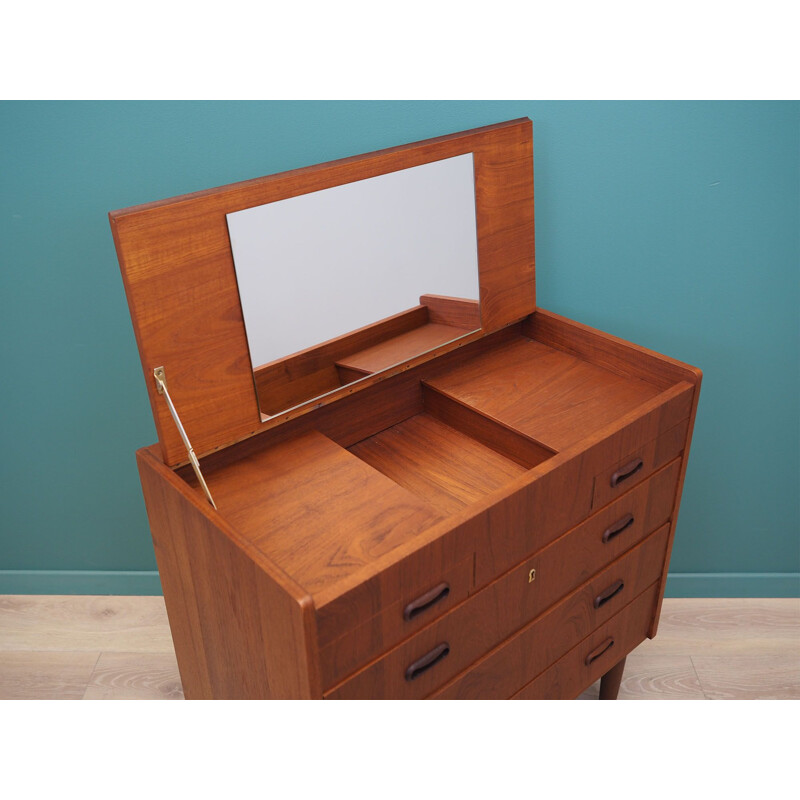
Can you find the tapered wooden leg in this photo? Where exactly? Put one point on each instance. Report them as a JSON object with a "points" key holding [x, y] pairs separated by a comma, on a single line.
{"points": [[610, 682]]}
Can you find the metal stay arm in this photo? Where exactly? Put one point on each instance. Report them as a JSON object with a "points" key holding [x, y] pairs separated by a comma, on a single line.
{"points": [[161, 385]]}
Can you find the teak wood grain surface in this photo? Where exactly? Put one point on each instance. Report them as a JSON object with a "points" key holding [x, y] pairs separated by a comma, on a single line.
{"points": [[492, 517], [497, 611], [318, 511], [242, 628], [437, 462], [508, 669], [551, 396]]}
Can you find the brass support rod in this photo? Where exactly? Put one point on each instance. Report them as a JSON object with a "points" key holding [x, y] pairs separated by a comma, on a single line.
{"points": [[161, 385]]}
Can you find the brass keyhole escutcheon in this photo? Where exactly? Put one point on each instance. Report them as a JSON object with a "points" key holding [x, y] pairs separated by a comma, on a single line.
{"points": [[532, 576]]}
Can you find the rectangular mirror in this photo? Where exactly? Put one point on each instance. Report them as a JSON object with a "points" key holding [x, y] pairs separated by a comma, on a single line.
{"points": [[343, 283]]}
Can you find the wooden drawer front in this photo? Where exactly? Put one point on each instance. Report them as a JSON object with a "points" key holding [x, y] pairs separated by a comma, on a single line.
{"points": [[625, 473], [565, 493], [596, 654], [541, 643], [415, 568], [557, 570], [573, 558], [471, 630], [359, 645]]}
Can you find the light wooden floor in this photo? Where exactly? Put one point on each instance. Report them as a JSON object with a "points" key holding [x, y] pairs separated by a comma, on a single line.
{"points": [[110, 648]]}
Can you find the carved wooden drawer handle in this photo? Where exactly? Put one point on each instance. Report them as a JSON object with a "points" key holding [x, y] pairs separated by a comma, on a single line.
{"points": [[427, 661], [623, 473], [426, 600], [597, 652], [617, 528], [605, 596]]}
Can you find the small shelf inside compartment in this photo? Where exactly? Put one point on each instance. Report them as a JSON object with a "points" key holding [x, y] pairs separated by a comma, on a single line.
{"points": [[394, 351], [308, 374], [448, 455]]}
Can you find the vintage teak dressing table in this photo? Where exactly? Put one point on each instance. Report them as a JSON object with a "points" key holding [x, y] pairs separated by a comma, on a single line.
{"points": [[455, 496]]}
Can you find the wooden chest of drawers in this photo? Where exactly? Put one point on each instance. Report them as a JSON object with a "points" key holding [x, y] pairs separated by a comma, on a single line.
{"points": [[490, 517]]}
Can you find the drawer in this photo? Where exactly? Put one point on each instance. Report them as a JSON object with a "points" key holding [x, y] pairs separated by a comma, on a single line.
{"points": [[541, 643], [573, 558], [377, 597], [579, 482], [635, 466], [449, 645], [596, 654], [420, 606], [529, 588]]}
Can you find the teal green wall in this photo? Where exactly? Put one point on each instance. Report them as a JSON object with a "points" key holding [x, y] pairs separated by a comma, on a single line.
{"points": [[674, 225]]}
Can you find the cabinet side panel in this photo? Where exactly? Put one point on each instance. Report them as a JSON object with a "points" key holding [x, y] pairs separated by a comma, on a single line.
{"points": [[676, 508], [168, 527], [240, 631]]}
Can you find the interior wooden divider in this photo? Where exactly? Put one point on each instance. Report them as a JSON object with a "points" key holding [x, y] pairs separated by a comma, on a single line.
{"points": [[488, 431]]}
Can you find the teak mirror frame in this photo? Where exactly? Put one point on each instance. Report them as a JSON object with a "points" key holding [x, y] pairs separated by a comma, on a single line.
{"points": [[181, 285]]}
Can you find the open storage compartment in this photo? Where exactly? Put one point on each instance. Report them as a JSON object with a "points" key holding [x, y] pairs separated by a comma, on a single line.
{"points": [[438, 442], [449, 454], [542, 392]]}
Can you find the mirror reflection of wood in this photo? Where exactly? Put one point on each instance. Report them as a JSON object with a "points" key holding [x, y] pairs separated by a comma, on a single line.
{"points": [[339, 273], [288, 382]]}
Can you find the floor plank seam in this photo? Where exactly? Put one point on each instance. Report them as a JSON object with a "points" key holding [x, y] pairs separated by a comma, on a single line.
{"points": [[91, 676], [697, 676]]}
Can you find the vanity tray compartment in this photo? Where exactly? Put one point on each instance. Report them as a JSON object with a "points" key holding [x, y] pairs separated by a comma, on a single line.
{"points": [[598, 419], [450, 455], [552, 396], [426, 661]]}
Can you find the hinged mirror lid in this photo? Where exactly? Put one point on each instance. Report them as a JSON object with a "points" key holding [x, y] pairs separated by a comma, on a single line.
{"points": [[181, 284]]}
